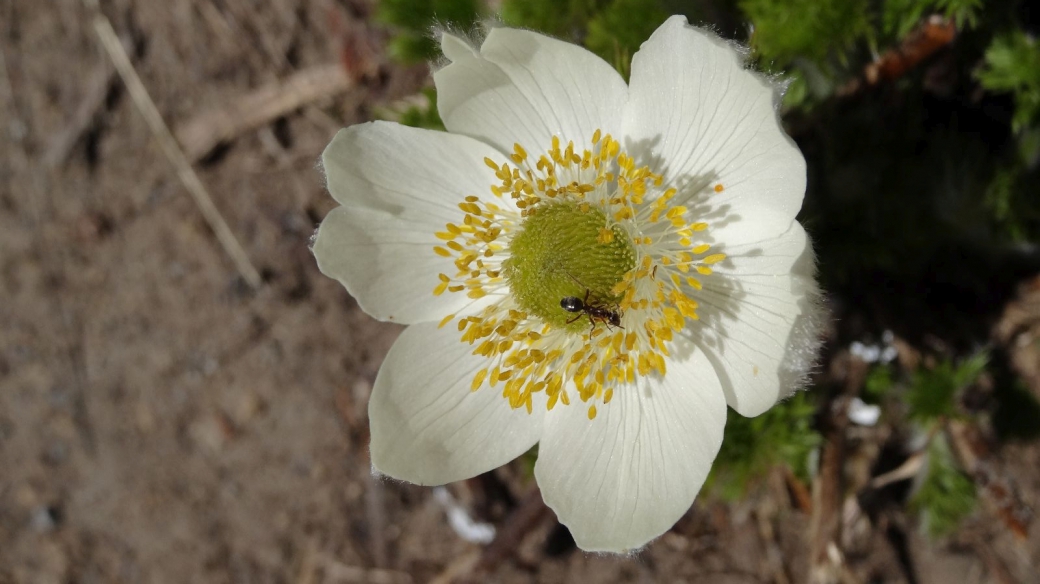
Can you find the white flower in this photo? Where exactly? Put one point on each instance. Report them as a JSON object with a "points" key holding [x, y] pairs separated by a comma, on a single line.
{"points": [[617, 264]]}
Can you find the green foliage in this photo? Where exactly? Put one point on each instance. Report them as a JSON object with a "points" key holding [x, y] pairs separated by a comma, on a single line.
{"points": [[617, 31], [946, 496], [1009, 204], [878, 383], [964, 13], [414, 19], [424, 116], [752, 446], [613, 29], [933, 392], [565, 19], [899, 17], [816, 30], [528, 460], [1012, 65]]}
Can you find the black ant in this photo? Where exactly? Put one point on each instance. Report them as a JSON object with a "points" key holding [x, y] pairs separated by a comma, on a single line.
{"points": [[595, 312]]}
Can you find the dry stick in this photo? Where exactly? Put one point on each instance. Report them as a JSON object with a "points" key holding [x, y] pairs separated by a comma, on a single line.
{"points": [[191, 181], [205, 131], [826, 560]]}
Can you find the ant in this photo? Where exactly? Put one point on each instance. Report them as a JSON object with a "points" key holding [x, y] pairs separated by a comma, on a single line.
{"points": [[595, 312]]}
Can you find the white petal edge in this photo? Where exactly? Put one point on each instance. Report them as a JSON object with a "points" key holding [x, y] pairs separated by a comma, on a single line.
{"points": [[697, 116], [626, 477], [398, 186], [524, 87], [760, 320], [427, 426]]}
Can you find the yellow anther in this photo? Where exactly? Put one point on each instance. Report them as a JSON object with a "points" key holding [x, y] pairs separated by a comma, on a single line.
{"points": [[478, 379], [656, 298]]}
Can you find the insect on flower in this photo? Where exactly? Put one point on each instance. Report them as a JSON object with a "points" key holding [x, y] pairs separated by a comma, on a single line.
{"points": [[595, 311], [562, 193]]}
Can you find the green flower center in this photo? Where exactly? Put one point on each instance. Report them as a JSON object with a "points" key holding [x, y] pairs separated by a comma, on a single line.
{"points": [[567, 250], [573, 312]]}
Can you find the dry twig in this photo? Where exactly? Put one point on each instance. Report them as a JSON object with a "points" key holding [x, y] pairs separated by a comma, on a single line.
{"points": [[144, 103], [826, 560], [204, 132], [932, 35]]}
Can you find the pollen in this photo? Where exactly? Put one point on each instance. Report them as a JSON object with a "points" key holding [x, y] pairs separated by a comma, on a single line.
{"points": [[579, 266]]}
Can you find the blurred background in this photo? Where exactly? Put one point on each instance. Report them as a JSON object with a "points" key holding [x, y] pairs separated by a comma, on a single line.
{"points": [[183, 396]]}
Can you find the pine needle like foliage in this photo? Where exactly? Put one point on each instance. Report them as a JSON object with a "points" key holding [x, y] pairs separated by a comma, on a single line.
{"points": [[945, 496], [784, 435], [414, 20], [899, 17], [565, 19], [933, 392], [816, 30], [1013, 66], [613, 29]]}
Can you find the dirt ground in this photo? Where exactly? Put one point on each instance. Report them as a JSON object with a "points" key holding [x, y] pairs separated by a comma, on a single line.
{"points": [[162, 421]]}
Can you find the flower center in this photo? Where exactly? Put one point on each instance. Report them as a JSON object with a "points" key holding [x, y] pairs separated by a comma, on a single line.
{"points": [[566, 250], [590, 269]]}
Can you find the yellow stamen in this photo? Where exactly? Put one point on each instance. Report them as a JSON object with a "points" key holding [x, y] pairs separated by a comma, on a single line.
{"points": [[527, 355]]}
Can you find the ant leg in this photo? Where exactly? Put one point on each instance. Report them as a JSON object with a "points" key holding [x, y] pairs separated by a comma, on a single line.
{"points": [[574, 319]]}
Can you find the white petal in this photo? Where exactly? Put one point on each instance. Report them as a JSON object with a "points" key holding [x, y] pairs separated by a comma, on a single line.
{"points": [[428, 427], [760, 318], [523, 87], [387, 264], [398, 186], [410, 171], [697, 116], [627, 476]]}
